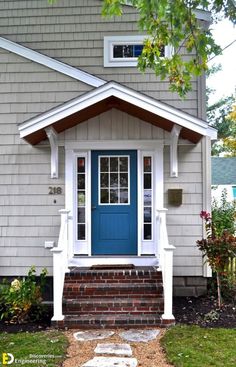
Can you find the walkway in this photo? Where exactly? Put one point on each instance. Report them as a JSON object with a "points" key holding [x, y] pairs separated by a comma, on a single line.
{"points": [[87, 352]]}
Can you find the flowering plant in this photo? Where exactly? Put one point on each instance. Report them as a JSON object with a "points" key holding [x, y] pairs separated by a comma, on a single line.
{"points": [[219, 246], [20, 300]]}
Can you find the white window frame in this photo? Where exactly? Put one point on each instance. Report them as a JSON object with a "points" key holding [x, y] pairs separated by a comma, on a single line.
{"points": [[111, 41]]}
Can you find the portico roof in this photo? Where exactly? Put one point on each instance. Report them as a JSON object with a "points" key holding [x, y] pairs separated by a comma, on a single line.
{"points": [[114, 95]]}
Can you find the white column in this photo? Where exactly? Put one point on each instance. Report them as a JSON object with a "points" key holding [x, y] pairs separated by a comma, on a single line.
{"points": [[167, 273], [166, 265], [60, 266], [58, 283]]}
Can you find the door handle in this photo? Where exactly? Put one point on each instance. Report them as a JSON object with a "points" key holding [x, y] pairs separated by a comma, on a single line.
{"points": [[94, 207]]}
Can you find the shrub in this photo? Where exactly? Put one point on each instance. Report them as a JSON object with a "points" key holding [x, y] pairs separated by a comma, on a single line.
{"points": [[21, 300], [223, 215], [220, 244]]}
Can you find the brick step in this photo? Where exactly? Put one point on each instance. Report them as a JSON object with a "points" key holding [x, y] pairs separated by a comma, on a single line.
{"points": [[112, 321], [136, 275], [79, 290], [113, 305]]}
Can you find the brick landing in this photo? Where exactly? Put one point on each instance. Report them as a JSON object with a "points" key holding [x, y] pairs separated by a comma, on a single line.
{"points": [[113, 298]]}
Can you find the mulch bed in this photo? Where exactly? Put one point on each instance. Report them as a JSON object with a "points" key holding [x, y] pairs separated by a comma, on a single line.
{"points": [[203, 311]]}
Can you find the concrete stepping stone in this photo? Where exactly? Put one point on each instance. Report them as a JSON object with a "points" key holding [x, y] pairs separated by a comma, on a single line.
{"points": [[139, 335], [92, 335], [114, 348], [111, 362]]}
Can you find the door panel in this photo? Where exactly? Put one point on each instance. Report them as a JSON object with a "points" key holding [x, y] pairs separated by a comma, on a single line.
{"points": [[114, 202]]}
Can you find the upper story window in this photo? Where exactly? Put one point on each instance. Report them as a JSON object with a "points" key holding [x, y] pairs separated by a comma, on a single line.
{"points": [[127, 51], [123, 51]]}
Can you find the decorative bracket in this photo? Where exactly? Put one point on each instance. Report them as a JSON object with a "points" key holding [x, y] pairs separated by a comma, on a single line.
{"points": [[53, 139], [174, 137]]}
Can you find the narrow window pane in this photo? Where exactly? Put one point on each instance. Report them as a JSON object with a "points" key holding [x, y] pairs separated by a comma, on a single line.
{"points": [[104, 196], [118, 51], [147, 215], [81, 215], [81, 181], [128, 51], [147, 198], [124, 180], [147, 231], [123, 161], [138, 50], [113, 164], [81, 198], [104, 162], [81, 165], [147, 164], [81, 231], [114, 196], [114, 180], [147, 181], [123, 196], [104, 180]]}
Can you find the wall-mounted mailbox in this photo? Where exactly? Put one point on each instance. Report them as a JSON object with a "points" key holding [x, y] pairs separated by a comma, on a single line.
{"points": [[175, 197]]}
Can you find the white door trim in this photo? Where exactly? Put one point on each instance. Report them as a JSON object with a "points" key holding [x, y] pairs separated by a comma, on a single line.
{"points": [[74, 149]]}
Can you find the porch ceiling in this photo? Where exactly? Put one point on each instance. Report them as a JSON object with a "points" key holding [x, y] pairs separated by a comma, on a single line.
{"points": [[113, 95]]}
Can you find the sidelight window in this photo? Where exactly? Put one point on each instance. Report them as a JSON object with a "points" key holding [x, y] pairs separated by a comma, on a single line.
{"points": [[81, 198], [147, 198]]}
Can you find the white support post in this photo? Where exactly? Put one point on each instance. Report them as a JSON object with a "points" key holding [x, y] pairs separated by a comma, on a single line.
{"points": [[168, 282], [58, 283], [174, 137], [53, 139], [166, 264], [60, 266]]}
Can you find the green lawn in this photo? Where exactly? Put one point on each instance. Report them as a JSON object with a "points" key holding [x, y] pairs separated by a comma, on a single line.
{"points": [[45, 348], [192, 346]]}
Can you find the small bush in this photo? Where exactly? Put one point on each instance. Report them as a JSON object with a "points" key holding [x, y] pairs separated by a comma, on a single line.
{"points": [[21, 300], [220, 246]]}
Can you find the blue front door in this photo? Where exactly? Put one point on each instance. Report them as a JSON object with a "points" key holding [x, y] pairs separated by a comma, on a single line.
{"points": [[114, 202]]}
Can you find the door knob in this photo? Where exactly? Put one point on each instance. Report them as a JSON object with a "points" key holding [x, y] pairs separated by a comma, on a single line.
{"points": [[94, 207]]}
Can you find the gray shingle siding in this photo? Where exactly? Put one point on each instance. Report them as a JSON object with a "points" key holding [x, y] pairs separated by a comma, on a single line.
{"points": [[223, 170]]}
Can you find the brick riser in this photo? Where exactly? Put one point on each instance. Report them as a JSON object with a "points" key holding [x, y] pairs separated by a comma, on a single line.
{"points": [[113, 298], [78, 291], [134, 306]]}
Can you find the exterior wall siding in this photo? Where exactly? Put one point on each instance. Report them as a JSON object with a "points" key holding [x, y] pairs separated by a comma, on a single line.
{"points": [[28, 215], [113, 125], [184, 222], [73, 32]]}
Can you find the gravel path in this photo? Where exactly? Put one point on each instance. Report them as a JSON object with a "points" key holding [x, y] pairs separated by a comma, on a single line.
{"points": [[148, 354]]}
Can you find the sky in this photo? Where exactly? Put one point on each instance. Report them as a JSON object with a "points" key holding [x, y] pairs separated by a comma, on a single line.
{"points": [[224, 82]]}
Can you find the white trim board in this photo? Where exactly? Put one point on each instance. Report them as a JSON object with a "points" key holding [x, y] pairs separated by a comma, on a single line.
{"points": [[129, 95], [50, 63]]}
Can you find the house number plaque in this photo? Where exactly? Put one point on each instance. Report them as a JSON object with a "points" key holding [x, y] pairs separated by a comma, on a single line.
{"points": [[54, 190]]}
